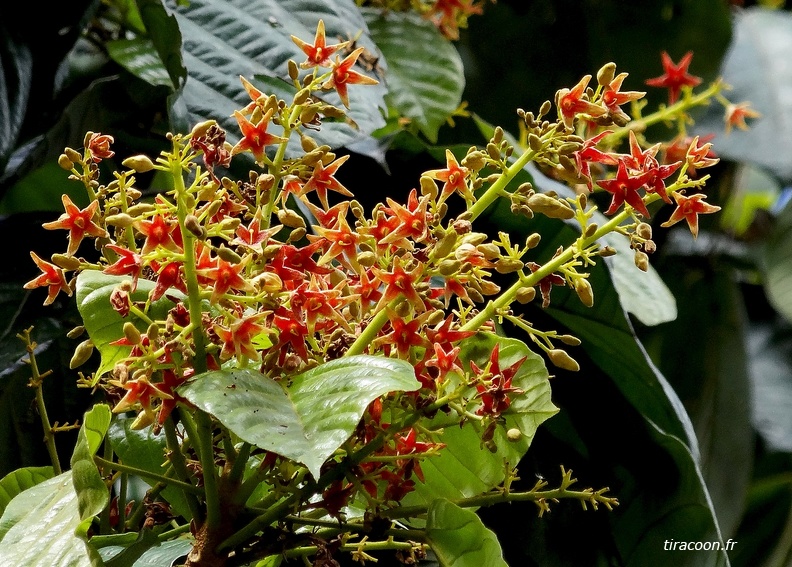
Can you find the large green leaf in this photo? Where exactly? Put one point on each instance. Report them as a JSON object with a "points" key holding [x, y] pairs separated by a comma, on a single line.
{"points": [[769, 346], [756, 68], [21, 479], [143, 449], [464, 467], [163, 30], [425, 76], [103, 324], [776, 263], [139, 57], [38, 525], [310, 419], [163, 555], [16, 77], [225, 39], [458, 538], [92, 493]]}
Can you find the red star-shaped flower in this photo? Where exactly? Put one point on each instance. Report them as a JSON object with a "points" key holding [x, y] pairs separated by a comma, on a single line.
{"points": [[613, 99], [238, 336], [454, 178], [52, 277], [77, 222], [323, 180], [343, 75], [254, 136], [675, 76], [624, 188], [689, 208], [495, 391], [129, 263], [572, 102]]}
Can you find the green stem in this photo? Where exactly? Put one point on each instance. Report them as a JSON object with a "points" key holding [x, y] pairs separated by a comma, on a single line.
{"points": [[148, 475], [508, 296], [370, 332], [497, 188], [665, 114], [36, 381]]}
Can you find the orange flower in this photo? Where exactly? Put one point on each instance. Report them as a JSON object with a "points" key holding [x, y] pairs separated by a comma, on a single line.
{"points": [[77, 222], [52, 277], [737, 113], [254, 136], [343, 75], [689, 208], [99, 146], [319, 53], [573, 102]]}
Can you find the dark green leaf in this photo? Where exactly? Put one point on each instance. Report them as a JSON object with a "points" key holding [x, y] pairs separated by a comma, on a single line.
{"points": [[139, 57], [777, 263], [16, 77], [459, 538], [223, 40], [310, 419], [708, 368], [143, 449], [163, 30], [425, 77], [163, 555]]}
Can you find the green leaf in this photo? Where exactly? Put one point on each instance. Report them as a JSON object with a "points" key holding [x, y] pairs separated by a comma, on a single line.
{"points": [[143, 449], [776, 263], [38, 525], [103, 324], [425, 77], [756, 69], [708, 368], [222, 40], [163, 30], [464, 467], [16, 77], [459, 538], [91, 490], [139, 57], [769, 345], [21, 479], [310, 419]]}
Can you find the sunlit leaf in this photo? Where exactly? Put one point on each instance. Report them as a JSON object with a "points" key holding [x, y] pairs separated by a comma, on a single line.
{"points": [[310, 419], [459, 538]]}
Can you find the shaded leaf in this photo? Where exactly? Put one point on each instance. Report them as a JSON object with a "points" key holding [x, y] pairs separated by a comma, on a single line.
{"points": [[708, 368], [163, 30], [425, 77], [16, 77], [143, 449], [776, 263], [458, 538], [222, 40], [310, 419]]}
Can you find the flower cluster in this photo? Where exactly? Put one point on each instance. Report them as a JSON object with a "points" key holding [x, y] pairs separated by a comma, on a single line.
{"points": [[284, 270]]}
